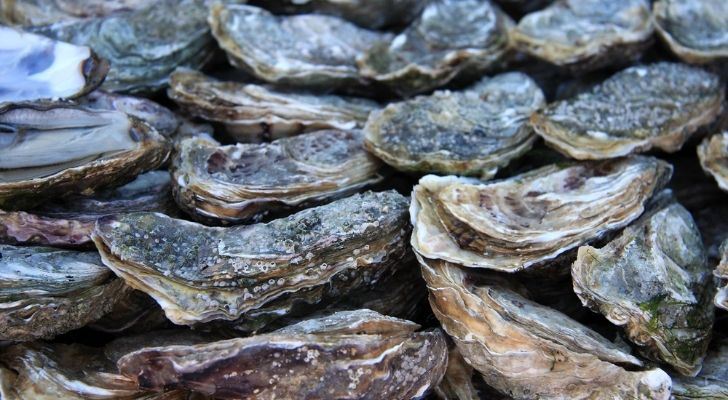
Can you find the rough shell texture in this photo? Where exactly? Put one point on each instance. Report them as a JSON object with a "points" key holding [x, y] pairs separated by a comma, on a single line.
{"points": [[695, 30], [457, 383], [528, 219], [43, 12], [713, 154], [712, 382], [473, 132], [159, 117], [721, 271], [244, 182]]}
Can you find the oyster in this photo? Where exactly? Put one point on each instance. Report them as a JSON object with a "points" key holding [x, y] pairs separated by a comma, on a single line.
{"points": [[144, 46], [457, 383], [43, 12], [721, 298], [258, 273], [352, 355], [532, 218], [640, 108], [159, 117], [59, 149], [450, 39], [315, 51], [251, 112], [711, 383], [244, 182], [530, 351], [464, 133], [135, 312], [713, 154], [35, 67], [654, 280], [695, 30], [586, 34], [45, 292]]}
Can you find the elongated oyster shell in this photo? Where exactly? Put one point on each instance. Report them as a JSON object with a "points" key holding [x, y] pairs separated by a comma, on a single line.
{"points": [[452, 38], [640, 108], [316, 51], [654, 280], [45, 292], [144, 46], [257, 272], [159, 117], [464, 133], [711, 383], [721, 271], [586, 34], [251, 112], [43, 12], [695, 30], [530, 351], [528, 219], [57, 149], [35, 67], [713, 154], [354, 355], [244, 182]]}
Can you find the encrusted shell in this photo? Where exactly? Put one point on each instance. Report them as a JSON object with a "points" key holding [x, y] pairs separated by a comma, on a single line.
{"points": [[695, 30], [43, 12], [713, 154], [712, 382], [721, 272]]}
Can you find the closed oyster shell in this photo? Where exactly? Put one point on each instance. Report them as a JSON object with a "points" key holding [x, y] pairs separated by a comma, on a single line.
{"points": [[640, 108], [43, 12], [245, 182], [159, 117], [713, 154], [35, 67], [530, 351], [451, 39], [695, 30], [711, 383], [45, 292], [654, 280], [721, 271], [586, 34], [251, 113], [473, 132], [529, 219]]}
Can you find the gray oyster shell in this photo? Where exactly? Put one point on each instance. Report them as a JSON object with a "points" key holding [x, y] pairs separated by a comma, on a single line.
{"points": [[43, 12], [451, 39], [244, 182], [35, 67], [713, 155], [143, 46], [312, 51], [654, 280], [695, 30], [473, 132], [258, 272], [712, 382], [45, 292], [252, 113], [721, 272], [159, 117], [640, 108], [532, 218], [586, 34]]}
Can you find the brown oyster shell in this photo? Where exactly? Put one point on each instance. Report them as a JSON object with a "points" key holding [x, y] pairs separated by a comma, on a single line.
{"points": [[695, 30], [713, 154], [457, 383]]}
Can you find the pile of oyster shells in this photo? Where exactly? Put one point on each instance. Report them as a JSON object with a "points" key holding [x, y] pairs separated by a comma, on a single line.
{"points": [[363, 199]]}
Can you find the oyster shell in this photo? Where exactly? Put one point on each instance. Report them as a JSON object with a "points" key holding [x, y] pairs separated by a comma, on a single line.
{"points": [[643, 107], [258, 273], [251, 113], [526, 220], [35, 67], [713, 154], [586, 34], [711, 383], [450, 39], [457, 383], [159, 117], [135, 312], [144, 46], [530, 351], [695, 30], [473, 132], [58, 149], [43, 12], [721, 271], [653, 279], [314, 51], [45, 292], [353, 355], [244, 182]]}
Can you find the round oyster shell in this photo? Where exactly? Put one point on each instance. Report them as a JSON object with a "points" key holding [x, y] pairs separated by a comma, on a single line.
{"points": [[473, 132], [258, 272], [244, 182], [654, 280], [695, 30], [643, 107], [159, 117], [313, 51], [532, 218], [711, 383], [529, 351], [354, 355], [59, 150], [43, 12], [721, 271], [586, 34], [45, 292], [713, 154], [450, 39], [251, 113], [35, 67]]}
